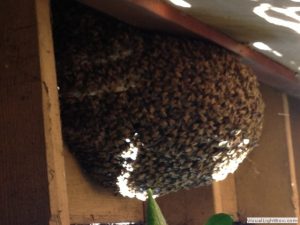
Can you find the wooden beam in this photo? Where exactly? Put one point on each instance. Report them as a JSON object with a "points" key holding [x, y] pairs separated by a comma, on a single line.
{"points": [[291, 155], [51, 114], [294, 112], [225, 196], [169, 13]]}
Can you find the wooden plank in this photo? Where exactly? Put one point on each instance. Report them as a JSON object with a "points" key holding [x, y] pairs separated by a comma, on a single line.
{"points": [[53, 137], [33, 189], [192, 207], [225, 196], [89, 203], [159, 15], [263, 181], [137, 16], [24, 192], [294, 107], [291, 156]]}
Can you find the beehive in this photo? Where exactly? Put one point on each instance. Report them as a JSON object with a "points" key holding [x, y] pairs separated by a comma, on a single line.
{"points": [[145, 110]]}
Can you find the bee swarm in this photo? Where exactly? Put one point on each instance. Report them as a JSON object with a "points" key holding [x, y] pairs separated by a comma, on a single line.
{"points": [[150, 110]]}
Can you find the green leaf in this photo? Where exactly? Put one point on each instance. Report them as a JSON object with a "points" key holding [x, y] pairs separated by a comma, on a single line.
{"points": [[220, 219], [154, 215]]}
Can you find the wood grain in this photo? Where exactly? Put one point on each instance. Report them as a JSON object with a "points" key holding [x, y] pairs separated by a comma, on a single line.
{"points": [[294, 108], [225, 196], [53, 137], [32, 190], [24, 192], [89, 203], [291, 155], [188, 207]]}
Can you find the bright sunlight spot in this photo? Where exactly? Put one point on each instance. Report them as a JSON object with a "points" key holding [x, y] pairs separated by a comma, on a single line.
{"points": [[122, 180], [225, 167], [291, 12], [261, 46], [181, 3], [231, 163], [277, 53], [264, 47]]}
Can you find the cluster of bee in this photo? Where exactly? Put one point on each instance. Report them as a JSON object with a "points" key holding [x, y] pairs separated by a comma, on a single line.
{"points": [[166, 112]]}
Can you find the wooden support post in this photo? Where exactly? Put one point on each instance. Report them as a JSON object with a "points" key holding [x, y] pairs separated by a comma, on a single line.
{"points": [[32, 185], [52, 125], [291, 155], [294, 108], [225, 196]]}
